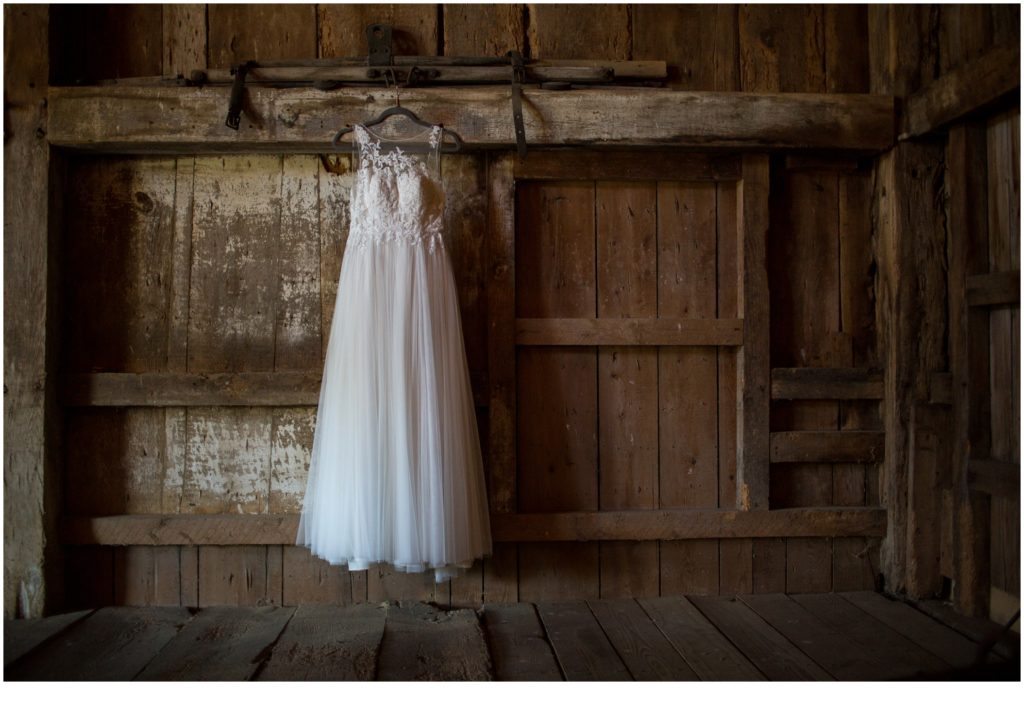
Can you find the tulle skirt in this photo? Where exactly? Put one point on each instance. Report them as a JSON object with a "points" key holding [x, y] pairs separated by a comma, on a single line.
{"points": [[396, 474]]}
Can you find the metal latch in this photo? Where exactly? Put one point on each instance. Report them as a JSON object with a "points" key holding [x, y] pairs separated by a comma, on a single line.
{"points": [[237, 91]]}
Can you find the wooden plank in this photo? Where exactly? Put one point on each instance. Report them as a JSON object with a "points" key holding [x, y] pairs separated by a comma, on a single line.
{"points": [[483, 30], [994, 289], [184, 44], [627, 286], [826, 383], [245, 32], [980, 630], [645, 524], [311, 580], [782, 48], [753, 360], [105, 41], [599, 31], [238, 576], [22, 635], [775, 656], [995, 477], [699, 42], [827, 446], [612, 332], [323, 642], [385, 583], [687, 377], [928, 450], [177, 120], [646, 652], [220, 643], [550, 164], [846, 48], [973, 86], [113, 644], [843, 658], [556, 428], [519, 650], [935, 637], [424, 643], [342, 28], [147, 575], [706, 650], [160, 389], [581, 646], [896, 656], [769, 565]]}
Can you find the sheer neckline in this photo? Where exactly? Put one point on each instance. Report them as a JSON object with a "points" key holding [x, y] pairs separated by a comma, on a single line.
{"points": [[414, 137]]}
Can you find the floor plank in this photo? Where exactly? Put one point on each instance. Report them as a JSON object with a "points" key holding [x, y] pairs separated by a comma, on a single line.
{"points": [[519, 650], [701, 644], [901, 657], [22, 635], [648, 654], [583, 650], [774, 655], [425, 643], [112, 644], [936, 638], [222, 643], [979, 630], [326, 642], [843, 658]]}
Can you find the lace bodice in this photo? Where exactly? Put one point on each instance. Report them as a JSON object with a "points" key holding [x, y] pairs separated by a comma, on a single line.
{"points": [[398, 197]]}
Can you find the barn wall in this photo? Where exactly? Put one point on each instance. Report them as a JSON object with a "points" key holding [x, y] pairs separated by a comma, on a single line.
{"points": [[228, 263]]}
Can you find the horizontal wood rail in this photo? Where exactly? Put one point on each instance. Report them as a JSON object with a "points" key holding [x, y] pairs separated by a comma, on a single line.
{"points": [[556, 164], [629, 332], [169, 120], [827, 446], [157, 389], [972, 86], [995, 477], [994, 289], [675, 524], [826, 383]]}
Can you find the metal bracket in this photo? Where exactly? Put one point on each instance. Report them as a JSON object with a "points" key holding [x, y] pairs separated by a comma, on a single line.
{"points": [[378, 39], [518, 76], [237, 91]]}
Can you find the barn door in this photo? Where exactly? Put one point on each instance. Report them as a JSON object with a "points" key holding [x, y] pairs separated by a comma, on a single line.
{"points": [[628, 366]]}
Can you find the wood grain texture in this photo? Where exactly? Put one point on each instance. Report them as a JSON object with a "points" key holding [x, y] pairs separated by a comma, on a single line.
{"points": [[559, 164], [412, 650], [139, 119], [846, 48], [583, 650], [827, 446], [114, 643], [670, 331], [699, 42], [782, 48], [147, 576], [22, 635], [599, 31], [243, 32], [327, 643], [483, 30], [240, 575], [646, 652], [308, 579], [97, 42], [519, 650], [184, 39], [342, 28], [219, 643]]}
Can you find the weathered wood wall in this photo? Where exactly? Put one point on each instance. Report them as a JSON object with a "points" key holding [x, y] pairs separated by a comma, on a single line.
{"points": [[213, 264]]}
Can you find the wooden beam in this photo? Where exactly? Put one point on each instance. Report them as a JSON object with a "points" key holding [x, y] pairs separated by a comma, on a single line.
{"points": [[994, 289], [629, 332], [120, 119], [973, 86], [827, 446], [826, 383], [995, 477], [752, 361], [555, 164], [663, 524]]}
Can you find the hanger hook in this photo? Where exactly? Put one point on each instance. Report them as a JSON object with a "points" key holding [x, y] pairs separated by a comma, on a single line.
{"points": [[390, 73]]}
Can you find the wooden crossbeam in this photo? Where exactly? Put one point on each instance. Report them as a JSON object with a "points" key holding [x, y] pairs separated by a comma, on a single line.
{"points": [[629, 332], [826, 383], [827, 446], [972, 86], [994, 289], [664, 524], [155, 120]]}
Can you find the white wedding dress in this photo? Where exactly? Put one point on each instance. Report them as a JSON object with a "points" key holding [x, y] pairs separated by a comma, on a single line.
{"points": [[395, 474]]}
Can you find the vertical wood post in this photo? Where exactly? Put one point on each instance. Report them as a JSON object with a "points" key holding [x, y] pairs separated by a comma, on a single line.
{"points": [[30, 502], [752, 359]]}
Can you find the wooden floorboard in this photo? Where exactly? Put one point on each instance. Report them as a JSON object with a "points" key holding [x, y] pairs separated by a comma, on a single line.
{"points": [[939, 639], [22, 635], [774, 655], [583, 650], [113, 644], [899, 656], [843, 658], [979, 630], [221, 643], [644, 649], [519, 650], [707, 651], [425, 643], [324, 642]]}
